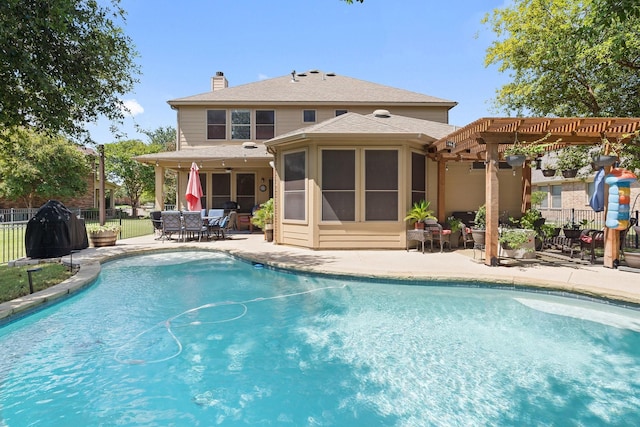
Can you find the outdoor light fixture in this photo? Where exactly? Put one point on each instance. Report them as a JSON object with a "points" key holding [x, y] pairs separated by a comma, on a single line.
{"points": [[179, 165], [157, 164], [228, 170], [223, 163], [446, 167]]}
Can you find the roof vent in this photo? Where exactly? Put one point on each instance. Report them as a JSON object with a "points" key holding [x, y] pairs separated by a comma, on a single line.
{"points": [[331, 74], [314, 71], [382, 113], [301, 74], [249, 145]]}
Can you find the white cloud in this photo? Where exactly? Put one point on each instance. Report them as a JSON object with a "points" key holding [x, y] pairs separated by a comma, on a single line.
{"points": [[132, 108], [262, 76]]}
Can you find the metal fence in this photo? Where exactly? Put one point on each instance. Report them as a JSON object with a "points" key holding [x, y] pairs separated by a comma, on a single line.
{"points": [[12, 233]]}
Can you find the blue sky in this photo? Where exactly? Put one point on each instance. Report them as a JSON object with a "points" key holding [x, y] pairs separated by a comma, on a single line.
{"points": [[434, 48]]}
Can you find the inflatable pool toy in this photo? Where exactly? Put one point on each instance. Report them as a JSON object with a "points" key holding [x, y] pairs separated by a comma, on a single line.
{"points": [[619, 181]]}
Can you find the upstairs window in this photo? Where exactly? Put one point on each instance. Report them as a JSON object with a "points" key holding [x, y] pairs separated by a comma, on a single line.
{"points": [[216, 124], [240, 124], [309, 116], [265, 124]]}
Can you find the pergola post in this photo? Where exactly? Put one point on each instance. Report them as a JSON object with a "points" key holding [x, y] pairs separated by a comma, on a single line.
{"points": [[159, 186], [492, 197], [442, 168]]}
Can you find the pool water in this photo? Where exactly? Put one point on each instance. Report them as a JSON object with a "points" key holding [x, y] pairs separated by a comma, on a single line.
{"points": [[201, 339]]}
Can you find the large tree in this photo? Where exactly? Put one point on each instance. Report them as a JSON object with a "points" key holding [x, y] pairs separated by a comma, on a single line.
{"points": [[63, 63], [39, 166], [564, 61], [134, 177]]}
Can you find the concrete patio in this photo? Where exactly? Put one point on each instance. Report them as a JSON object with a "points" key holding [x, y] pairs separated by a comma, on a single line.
{"points": [[545, 273]]}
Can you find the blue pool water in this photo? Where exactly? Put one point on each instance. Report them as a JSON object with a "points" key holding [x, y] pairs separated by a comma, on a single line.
{"points": [[200, 339]]}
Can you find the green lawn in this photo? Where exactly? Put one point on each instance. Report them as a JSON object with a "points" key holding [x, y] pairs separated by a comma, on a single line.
{"points": [[14, 281]]}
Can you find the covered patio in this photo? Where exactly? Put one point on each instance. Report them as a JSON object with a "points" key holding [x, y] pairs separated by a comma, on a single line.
{"points": [[486, 139]]}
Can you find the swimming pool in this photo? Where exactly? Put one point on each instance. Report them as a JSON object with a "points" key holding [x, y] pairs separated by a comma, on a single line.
{"points": [[201, 339]]}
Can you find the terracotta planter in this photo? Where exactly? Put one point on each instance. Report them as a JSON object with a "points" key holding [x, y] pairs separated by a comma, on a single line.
{"points": [[632, 259], [418, 225], [103, 238]]}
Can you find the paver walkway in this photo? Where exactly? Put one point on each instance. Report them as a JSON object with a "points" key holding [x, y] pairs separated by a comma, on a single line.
{"points": [[574, 277]]}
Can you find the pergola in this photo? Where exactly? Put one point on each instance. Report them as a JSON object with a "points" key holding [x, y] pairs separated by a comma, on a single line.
{"points": [[485, 139]]}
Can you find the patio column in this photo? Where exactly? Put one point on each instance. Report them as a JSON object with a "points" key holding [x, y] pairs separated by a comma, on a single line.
{"points": [[492, 197], [442, 165], [159, 187], [526, 187]]}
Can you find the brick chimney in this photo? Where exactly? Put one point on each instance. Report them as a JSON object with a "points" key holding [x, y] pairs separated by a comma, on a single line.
{"points": [[219, 81]]}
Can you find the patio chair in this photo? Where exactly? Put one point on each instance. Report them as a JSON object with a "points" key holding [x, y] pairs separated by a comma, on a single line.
{"points": [[224, 226], [194, 224], [171, 223], [156, 221], [437, 233], [590, 240], [467, 237]]}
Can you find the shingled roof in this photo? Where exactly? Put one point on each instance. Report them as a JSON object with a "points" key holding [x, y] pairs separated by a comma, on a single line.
{"points": [[380, 122], [312, 87]]}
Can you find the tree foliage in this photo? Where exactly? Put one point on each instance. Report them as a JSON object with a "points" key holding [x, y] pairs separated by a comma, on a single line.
{"points": [[63, 63], [120, 167], [564, 59], [39, 166]]}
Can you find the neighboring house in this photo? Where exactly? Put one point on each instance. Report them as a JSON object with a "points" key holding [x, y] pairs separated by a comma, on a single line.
{"points": [[343, 158], [568, 198], [88, 200]]}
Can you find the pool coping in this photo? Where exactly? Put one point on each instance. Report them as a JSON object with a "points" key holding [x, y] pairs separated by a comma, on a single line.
{"points": [[90, 267]]}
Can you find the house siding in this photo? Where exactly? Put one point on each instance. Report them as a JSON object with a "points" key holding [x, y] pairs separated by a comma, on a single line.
{"points": [[192, 127]]}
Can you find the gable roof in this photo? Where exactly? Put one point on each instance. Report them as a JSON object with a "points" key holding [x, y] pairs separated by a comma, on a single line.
{"points": [[380, 122], [313, 87]]}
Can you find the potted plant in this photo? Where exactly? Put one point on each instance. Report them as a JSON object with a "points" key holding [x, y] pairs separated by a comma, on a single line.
{"points": [[572, 229], [632, 257], [571, 160], [548, 170], [518, 243], [418, 213], [263, 218], [518, 152], [103, 235], [479, 226], [455, 225]]}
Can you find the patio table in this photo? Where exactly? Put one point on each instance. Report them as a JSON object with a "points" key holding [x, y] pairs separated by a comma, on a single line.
{"points": [[418, 235]]}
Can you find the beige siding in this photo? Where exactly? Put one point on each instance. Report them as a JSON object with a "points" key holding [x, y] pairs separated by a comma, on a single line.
{"points": [[192, 129]]}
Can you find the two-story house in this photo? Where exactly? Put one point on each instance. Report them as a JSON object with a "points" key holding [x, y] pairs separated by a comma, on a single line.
{"points": [[343, 158]]}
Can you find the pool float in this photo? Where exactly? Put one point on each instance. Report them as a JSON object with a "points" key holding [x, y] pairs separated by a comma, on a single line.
{"points": [[619, 181]]}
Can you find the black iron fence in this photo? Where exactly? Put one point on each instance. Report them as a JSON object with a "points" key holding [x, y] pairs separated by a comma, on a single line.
{"points": [[13, 226]]}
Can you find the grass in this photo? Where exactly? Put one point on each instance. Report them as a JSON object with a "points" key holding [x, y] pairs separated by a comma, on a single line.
{"points": [[14, 281]]}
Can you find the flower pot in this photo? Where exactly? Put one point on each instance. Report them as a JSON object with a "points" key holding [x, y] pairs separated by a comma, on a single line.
{"points": [[571, 233], [549, 172], [478, 236], [570, 173], [268, 232], [515, 160], [103, 238], [526, 250], [454, 239], [601, 161], [419, 225], [632, 259]]}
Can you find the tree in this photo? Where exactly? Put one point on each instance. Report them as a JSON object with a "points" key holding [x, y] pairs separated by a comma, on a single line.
{"points": [[563, 61], [63, 63], [36, 165], [134, 177], [164, 139]]}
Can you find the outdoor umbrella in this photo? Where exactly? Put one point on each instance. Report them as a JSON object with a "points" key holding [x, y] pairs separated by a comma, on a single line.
{"points": [[194, 189]]}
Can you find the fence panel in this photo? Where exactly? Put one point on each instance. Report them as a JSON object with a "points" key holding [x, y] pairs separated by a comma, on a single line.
{"points": [[12, 233]]}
